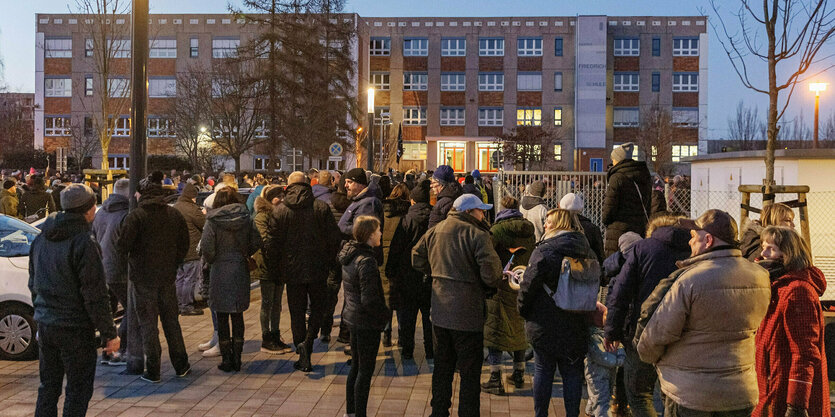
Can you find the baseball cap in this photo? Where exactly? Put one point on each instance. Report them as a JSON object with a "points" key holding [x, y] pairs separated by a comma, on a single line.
{"points": [[718, 223], [469, 202]]}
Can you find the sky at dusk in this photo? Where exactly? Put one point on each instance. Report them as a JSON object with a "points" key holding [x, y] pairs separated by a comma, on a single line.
{"points": [[17, 40]]}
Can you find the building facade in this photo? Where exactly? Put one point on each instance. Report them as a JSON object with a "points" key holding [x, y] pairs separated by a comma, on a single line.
{"points": [[17, 112], [450, 85]]}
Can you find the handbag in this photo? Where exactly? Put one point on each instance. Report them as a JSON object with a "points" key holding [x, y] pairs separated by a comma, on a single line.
{"points": [[578, 285]]}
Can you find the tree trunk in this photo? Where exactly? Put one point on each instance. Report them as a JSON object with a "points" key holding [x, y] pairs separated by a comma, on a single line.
{"points": [[237, 159], [773, 130]]}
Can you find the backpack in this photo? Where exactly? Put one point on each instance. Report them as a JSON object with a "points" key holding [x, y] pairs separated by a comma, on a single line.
{"points": [[578, 285]]}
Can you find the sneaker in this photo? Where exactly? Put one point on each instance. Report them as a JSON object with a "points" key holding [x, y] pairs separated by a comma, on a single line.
{"points": [[185, 372], [117, 360], [150, 378], [105, 358], [282, 347], [209, 344], [192, 312], [213, 352]]}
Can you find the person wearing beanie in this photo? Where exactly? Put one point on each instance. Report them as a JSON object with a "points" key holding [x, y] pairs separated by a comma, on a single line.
{"points": [[628, 198], [533, 207], [191, 271], [36, 203], [71, 303], [9, 202], [446, 190], [365, 200], [574, 203], [155, 239]]}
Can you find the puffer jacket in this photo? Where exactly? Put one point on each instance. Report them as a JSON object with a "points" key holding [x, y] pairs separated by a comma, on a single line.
{"points": [[394, 210], [105, 228], [407, 284], [367, 203], [505, 328], [594, 236], [535, 211], [701, 335], [365, 305], [459, 256], [36, 201], [302, 238], [549, 328], [229, 239], [791, 358], [9, 203], [66, 277], [647, 263], [750, 244], [195, 220], [444, 202], [624, 208]]}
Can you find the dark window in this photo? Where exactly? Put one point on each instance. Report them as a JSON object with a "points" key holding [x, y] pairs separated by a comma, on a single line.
{"points": [[558, 47], [88, 126], [656, 82], [656, 46]]}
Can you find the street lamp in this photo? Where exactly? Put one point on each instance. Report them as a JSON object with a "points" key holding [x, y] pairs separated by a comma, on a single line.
{"points": [[369, 164], [817, 88]]}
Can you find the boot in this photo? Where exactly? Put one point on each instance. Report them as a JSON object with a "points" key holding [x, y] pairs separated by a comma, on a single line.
{"points": [[303, 364], [280, 346], [518, 378], [237, 348], [208, 345], [268, 344], [494, 384], [228, 363]]}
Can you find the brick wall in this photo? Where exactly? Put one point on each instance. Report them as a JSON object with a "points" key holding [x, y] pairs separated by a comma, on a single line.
{"points": [[490, 63], [621, 99], [490, 98], [453, 64], [685, 99]]}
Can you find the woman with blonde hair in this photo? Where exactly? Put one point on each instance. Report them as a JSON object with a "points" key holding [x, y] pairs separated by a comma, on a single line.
{"points": [[777, 214], [790, 356]]}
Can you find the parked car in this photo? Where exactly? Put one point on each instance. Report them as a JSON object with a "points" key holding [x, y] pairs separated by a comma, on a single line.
{"points": [[17, 323]]}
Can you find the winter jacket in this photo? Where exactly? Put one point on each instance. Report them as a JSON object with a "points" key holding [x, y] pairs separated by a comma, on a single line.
{"points": [[549, 328], [394, 210], [648, 262], [472, 189], [659, 202], [790, 360], [229, 239], [263, 210], [9, 203], [302, 238], [195, 219], [36, 201], [535, 211], [594, 236], [106, 228], [407, 284], [155, 239], [701, 336], [250, 199], [320, 192], [365, 305], [367, 203], [66, 276], [443, 203], [505, 328], [750, 244], [624, 209], [459, 256]]}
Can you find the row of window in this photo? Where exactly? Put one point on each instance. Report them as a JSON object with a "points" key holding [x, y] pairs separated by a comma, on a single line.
{"points": [[528, 46], [159, 48], [116, 87], [487, 116], [631, 117], [677, 152], [61, 126], [527, 81]]}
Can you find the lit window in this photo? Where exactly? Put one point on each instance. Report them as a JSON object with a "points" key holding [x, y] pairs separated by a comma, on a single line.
{"points": [[489, 155], [414, 116], [118, 162], [56, 126], [529, 47], [558, 47], [415, 81], [627, 47], [160, 128], [380, 80], [193, 47], [529, 81], [118, 48], [452, 116], [529, 116], [533, 152], [58, 87], [558, 116], [685, 117], [118, 87], [626, 82], [122, 126], [162, 87], [625, 117], [491, 46], [685, 82], [683, 151], [163, 48], [380, 47], [453, 47], [225, 48], [490, 81], [557, 81], [685, 47], [58, 48], [452, 81], [490, 116], [415, 47], [558, 152]]}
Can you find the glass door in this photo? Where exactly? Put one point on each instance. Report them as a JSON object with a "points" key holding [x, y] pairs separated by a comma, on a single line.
{"points": [[452, 154]]}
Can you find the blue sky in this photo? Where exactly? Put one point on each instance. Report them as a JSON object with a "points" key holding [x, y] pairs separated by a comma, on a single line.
{"points": [[17, 39]]}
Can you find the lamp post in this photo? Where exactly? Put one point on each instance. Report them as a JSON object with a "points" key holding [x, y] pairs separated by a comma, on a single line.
{"points": [[817, 88], [369, 164]]}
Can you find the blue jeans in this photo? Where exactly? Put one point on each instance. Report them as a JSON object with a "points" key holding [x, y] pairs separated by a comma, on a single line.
{"points": [[543, 380]]}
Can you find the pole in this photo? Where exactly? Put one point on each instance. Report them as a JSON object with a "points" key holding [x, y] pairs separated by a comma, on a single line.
{"points": [[139, 98], [382, 128], [817, 106], [369, 164]]}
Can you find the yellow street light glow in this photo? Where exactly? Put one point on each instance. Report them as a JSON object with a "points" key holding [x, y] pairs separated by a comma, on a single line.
{"points": [[202, 129], [817, 87], [371, 99]]}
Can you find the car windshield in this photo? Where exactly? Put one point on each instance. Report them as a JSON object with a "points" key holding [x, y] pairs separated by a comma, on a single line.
{"points": [[15, 237]]}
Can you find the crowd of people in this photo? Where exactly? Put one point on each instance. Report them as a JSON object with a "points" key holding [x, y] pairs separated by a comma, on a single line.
{"points": [[727, 326]]}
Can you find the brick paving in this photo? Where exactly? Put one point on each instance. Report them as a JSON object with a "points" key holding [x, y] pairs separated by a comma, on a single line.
{"points": [[267, 384]]}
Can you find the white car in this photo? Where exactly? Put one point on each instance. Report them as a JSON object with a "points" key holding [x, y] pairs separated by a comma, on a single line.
{"points": [[17, 325]]}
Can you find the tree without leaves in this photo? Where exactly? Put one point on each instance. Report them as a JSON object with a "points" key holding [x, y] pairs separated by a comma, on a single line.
{"points": [[745, 128], [16, 133], [529, 146], [655, 137], [790, 51], [190, 113], [83, 145]]}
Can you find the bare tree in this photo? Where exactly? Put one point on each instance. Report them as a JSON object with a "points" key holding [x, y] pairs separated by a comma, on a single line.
{"points": [[529, 146], [15, 127], [655, 136], [794, 34], [745, 127], [828, 129], [190, 114], [797, 131], [84, 142]]}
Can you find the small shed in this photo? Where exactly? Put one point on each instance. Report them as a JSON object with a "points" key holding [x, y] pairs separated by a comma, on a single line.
{"points": [[715, 179]]}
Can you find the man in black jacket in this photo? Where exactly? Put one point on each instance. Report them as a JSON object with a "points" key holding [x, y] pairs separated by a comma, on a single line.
{"points": [[627, 205], [69, 293], [155, 239], [302, 240], [447, 189]]}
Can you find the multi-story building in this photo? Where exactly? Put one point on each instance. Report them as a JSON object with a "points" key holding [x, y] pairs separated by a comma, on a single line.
{"points": [[16, 121], [452, 84]]}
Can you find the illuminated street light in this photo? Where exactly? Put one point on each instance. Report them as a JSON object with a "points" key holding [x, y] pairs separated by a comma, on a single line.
{"points": [[369, 164], [817, 88]]}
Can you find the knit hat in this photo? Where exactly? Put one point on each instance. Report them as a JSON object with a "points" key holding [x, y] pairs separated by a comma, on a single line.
{"points": [[189, 191], [623, 152], [356, 175], [444, 173], [274, 192], [572, 202], [421, 192], [626, 240], [536, 189], [77, 196], [476, 174]]}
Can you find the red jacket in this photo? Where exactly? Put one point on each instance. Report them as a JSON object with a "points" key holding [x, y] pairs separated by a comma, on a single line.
{"points": [[790, 361]]}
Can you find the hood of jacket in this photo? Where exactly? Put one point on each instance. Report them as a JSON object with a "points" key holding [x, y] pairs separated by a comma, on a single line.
{"points": [[812, 275], [320, 190], [230, 216], [8, 193], [674, 237], [353, 249], [508, 214], [262, 205], [452, 190], [298, 195], [419, 209], [62, 226], [573, 244], [463, 216], [153, 197], [752, 225], [530, 201], [372, 191], [630, 167], [114, 203]]}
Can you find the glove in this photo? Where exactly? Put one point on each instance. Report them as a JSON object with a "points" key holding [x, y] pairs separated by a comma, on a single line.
{"points": [[792, 411]]}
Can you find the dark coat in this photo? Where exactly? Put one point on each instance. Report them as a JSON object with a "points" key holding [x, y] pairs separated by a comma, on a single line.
{"points": [[106, 228], [320, 192], [195, 219], [155, 239], [647, 262], [229, 239], [750, 244], [36, 201], [367, 203], [623, 209], [549, 328], [395, 210], [407, 284], [66, 276], [594, 236], [505, 328], [302, 238], [659, 202], [444, 202], [365, 305], [472, 189], [263, 211]]}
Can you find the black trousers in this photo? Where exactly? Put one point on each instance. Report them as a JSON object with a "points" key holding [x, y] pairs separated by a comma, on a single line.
{"points": [[70, 352], [329, 311], [223, 320], [160, 303], [464, 350], [365, 343], [407, 311], [297, 297], [135, 351], [121, 292]]}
